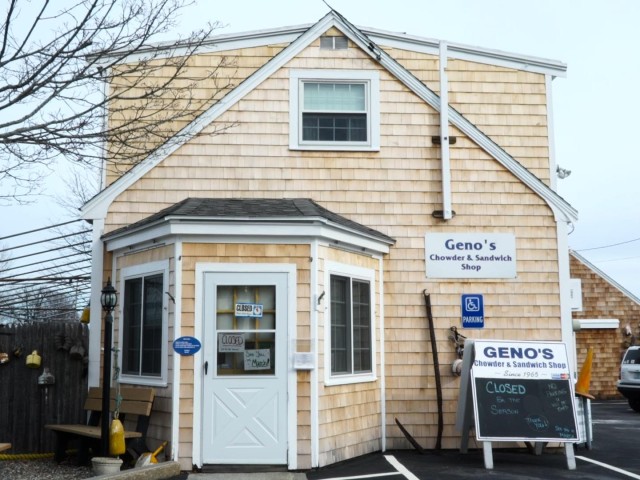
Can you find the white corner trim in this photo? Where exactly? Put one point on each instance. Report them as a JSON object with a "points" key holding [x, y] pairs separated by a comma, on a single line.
{"points": [[177, 333], [314, 400], [597, 323], [383, 385], [95, 309], [551, 134]]}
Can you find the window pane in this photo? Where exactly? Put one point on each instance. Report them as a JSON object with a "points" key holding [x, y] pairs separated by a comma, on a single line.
{"points": [[152, 326], [246, 330], [334, 127], [131, 322], [361, 327], [334, 96], [340, 337]]}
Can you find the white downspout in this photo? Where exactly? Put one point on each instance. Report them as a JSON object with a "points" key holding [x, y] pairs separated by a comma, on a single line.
{"points": [[444, 135]]}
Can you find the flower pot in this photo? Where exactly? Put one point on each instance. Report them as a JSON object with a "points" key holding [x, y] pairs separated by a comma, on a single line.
{"points": [[105, 465]]}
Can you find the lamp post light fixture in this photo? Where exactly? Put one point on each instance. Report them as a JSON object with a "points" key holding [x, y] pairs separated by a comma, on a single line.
{"points": [[108, 299]]}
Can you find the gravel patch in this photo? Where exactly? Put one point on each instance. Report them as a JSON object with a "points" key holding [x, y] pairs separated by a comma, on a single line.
{"points": [[42, 469]]}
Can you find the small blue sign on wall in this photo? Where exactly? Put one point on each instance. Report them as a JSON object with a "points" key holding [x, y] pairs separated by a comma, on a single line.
{"points": [[472, 311], [186, 345]]}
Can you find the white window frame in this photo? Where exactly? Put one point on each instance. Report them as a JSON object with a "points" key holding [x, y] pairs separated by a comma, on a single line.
{"points": [[137, 271], [370, 78], [355, 273]]}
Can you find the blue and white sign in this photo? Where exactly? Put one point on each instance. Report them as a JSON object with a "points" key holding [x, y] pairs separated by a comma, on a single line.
{"points": [[249, 310], [186, 346], [473, 311]]}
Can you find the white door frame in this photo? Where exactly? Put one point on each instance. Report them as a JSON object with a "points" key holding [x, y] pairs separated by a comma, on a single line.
{"points": [[292, 397]]}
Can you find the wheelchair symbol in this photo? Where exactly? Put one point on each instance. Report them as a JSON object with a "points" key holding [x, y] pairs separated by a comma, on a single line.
{"points": [[472, 304]]}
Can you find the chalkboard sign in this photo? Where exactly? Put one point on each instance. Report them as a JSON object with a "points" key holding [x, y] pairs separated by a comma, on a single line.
{"points": [[524, 409], [522, 391]]}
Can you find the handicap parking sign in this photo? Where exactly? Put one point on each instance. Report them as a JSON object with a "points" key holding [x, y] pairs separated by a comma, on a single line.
{"points": [[472, 311]]}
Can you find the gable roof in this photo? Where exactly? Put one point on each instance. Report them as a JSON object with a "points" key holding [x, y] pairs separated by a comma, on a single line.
{"points": [[604, 276], [97, 206]]}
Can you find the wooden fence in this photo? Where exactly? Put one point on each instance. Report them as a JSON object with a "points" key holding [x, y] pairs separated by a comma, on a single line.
{"points": [[25, 405]]}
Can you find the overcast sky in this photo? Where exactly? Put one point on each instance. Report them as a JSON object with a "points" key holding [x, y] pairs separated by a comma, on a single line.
{"points": [[594, 106]]}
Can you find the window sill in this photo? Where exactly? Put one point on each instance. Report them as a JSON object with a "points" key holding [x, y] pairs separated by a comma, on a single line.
{"points": [[350, 379], [147, 382], [335, 148]]}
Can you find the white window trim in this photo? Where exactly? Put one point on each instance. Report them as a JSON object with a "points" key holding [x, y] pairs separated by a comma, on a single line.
{"points": [[358, 273], [137, 271], [371, 77]]}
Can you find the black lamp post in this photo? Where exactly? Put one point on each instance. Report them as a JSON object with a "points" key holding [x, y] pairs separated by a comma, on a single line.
{"points": [[108, 300]]}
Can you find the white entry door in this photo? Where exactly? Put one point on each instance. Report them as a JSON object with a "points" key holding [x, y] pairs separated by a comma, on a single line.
{"points": [[245, 379]]}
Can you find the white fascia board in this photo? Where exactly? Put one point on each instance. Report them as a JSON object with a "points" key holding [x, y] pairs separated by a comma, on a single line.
{"points": [[250, 232], [557, 203], [604, 276], [97, 207], [470, 53], [219, 43], [589, 324]]}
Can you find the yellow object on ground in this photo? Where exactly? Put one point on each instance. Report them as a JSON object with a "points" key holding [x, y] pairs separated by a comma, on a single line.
{"points": [[149, 458], [116, 438]]}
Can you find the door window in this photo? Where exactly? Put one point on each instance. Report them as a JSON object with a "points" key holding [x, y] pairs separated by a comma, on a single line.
{"points": [[246, 329]]}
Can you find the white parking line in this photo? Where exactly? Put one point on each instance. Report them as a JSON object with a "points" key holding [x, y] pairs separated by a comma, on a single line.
{"points": [[373, 475], [610, 467], [401, 468]]}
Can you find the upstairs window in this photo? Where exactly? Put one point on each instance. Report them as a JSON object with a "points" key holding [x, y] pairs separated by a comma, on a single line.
{"points": [[334, 110]]}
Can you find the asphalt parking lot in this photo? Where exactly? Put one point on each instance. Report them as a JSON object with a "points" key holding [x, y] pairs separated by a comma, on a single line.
{"points": [[614, 454]]}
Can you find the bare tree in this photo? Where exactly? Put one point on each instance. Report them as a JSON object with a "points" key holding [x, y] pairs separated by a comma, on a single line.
{"points": [[87, 80]]}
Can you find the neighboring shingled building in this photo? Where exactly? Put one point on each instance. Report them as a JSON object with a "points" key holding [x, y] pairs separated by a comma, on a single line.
{"points": [[610, 322]]}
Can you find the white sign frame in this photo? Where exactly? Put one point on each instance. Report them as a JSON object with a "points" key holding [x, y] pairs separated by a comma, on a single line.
{"points": [[470, 255]]}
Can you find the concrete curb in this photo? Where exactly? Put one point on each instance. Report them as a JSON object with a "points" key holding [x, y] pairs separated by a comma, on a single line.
{"points": [[158, 471]]}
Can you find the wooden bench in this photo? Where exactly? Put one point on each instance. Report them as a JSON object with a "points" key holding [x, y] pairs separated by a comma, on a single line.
{"points": [[135, 401]]}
